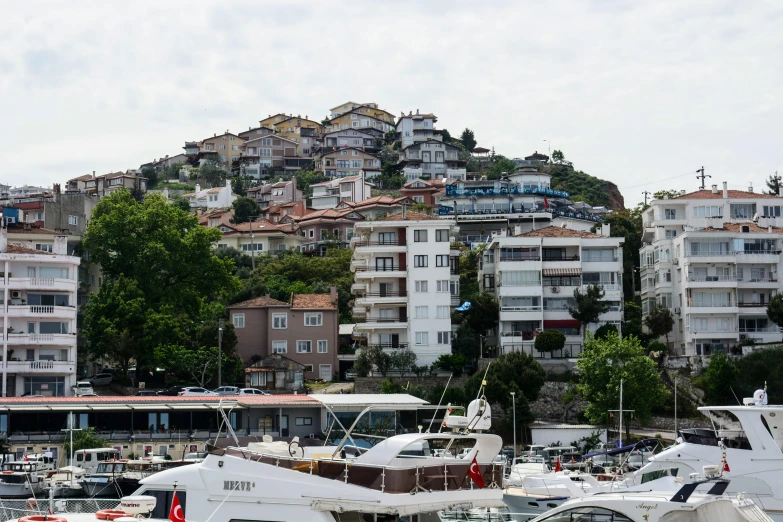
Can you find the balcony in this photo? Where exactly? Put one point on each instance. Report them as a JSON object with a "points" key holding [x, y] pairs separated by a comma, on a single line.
{"points": [[390, 346], [762, 329], [37, 283], [51, 367], [711, 279], [551, 257], [380, 271], [384, 322], [519, 258], [59, 312], [534, 308], [606, 287], [371, 298], [33, 339], [359, 242], [752, 308]]}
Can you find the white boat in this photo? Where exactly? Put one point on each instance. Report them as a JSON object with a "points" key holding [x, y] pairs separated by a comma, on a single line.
{"points": [[24, 478], [64, 483], [750, 437]]}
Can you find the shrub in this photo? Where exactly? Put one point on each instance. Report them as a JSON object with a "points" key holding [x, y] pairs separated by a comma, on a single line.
{"points": [[550, 341], [604, 330]]}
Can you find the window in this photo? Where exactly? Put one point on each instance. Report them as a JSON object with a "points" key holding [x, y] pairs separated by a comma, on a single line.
{"points": [[420, 236], [422, 338], [521, 278], [442, 235], [313, 319], [587, 514], [442, 312], [238, 320], [442, 285], [708, 211], [441, 260], [670, 213], [279, 321], [304, 346], [43, 247], [598, 254], [279, 346], [221, 147], [73, 220], [304, 421], [255, 247], [671, 234], [323, 346], [422, 312], [387, 238], [421, 286], [771, 211], [312, 233], [418, 199], [443, 337], [742, 210], [420, 261]]}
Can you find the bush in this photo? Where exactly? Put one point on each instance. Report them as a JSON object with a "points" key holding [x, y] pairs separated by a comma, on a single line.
{"points": [[657, 346], [451, 363], [550, 341], [605, 330]]}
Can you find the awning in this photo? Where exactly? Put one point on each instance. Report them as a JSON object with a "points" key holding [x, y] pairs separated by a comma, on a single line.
{"points": [[562, 271], [561, 323]]}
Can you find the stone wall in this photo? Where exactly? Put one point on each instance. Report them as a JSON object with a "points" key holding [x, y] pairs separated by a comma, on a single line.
{"points": [[667, 423], [551, 404], [373, 384]]}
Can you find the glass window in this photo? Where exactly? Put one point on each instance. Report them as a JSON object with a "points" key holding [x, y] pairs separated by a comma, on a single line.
{"points": [[421, 286], [238, 320], [442, 285], [46, 272], [443, 337], [442, 235], [441, 260], [420, 261], [422, 338], [323, 346], [587, 514], [313, 319], [279, 346], [521, 278], [420, 236], [422, 312], [304, 346], [442, 312], [279, 321]]}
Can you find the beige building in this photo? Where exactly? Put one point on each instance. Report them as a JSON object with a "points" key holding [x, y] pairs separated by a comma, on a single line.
{"points": [[227, 146], [305, 331]]}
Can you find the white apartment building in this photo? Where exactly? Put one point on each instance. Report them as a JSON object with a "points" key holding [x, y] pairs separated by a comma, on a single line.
{"points": [[39, 318], [713, 258], [330, 193], [406, 283], [431, 159], [417, 127], [533, 276], [217, 197]]}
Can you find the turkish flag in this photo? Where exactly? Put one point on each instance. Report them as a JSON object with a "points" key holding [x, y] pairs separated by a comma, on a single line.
{"points": [[546, 202], [175, 513], [726, 467], [557, 465], [474, 473]]}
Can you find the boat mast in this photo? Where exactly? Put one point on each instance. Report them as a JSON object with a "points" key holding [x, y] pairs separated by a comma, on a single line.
{"points": [[620, 437]]}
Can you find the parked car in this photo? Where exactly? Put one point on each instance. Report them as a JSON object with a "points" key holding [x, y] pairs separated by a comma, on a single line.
{"points": [[226, 390], [83, 388], [509, 454], [253, 391], [146, 393], [101, 379], [601, 463], [173, 391], [196, 391], [349, 376]]}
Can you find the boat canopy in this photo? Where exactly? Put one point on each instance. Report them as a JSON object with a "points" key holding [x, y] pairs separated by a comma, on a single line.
{"points": [[644, 443]]}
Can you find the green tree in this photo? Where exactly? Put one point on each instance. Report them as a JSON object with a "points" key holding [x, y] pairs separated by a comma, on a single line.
{"points": [[466, 343], [717, 379], [550, 341], [670, 194], [171, 171], [362, 366], [451, 362], [558, 157], [483, 314], [604, 363], [605, 330], [326, 122], [83, 439], [151, 173], [244, 209], [468, 139], [422, 208], [181, 203], [403, 360], [213, 173], [469, 287], [773, 184], [775, 309], [589, 306], [199, 364], [628, 225], [445, 135], [499, 165], [660, 321], [238, 186]]}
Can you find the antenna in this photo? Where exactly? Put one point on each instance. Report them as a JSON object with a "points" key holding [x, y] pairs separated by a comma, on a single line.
{"points": [[701, 177], [440, 402], [735, 395], [646, 193]]}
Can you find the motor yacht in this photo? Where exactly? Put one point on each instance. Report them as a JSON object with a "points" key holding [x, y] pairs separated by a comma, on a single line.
{"points": [[23, 478], [749, 438], [102, 483], [64, 483]]}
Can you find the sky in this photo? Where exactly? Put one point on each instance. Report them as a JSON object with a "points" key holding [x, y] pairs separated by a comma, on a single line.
{"points": [[639, 93]]}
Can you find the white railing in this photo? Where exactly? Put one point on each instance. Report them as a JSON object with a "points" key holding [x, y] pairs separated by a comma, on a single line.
{"points": [[520, 308], [40, 309], [767, 329], [41, 365], [37, 281], [711, 279], [34, 337]]}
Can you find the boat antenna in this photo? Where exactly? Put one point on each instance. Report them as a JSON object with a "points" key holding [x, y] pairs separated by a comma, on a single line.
{"points": [[483, 381], [735, 395], [440, 401]]}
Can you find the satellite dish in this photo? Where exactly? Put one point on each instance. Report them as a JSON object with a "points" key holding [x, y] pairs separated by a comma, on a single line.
{"points": [[756, 217]]}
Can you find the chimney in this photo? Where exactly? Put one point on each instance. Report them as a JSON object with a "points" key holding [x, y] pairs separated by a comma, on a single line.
{"points": [[333, 294], [198, 188], [715, 189], [267, 300], [606, 229], [725, 190], [750, 188], [60, 247], [682, 192], [3, 239]]}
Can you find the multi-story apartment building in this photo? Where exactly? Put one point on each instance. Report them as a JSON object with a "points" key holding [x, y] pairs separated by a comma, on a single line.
{"points": [[533, 276], [329, 193], [363, 117], [227, 146], [521, 201], [324, 228], [415, 128], [423, 191], [295, 128], [377, 207], [39, 318], [431, 159], [107, 183], [713, 258], [365, 139], [261, 237], [348, 161], [275, 193], [256, 132], [406, 283], [260, 156], [273, 119], [305, 330]]}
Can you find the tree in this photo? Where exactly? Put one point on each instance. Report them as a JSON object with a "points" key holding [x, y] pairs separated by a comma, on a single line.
{"points": [[151, 173], [775, 309], [773, 184], [362, 366], [589, 306], [181, 203], [660, 321], [670, 194], [628, 225], [445, 135], [466, 343], [171, 171], [213, 173], [469, 287], [238, 186], [403, 360], [717, 379], [558, 157], [422, 208], [326, 122], [199, 364], [468, 139], [499, 165], [550, 341], [244, 209], [606, 362], [83, 439], [451, 362], [605, 330], [483, 314]]}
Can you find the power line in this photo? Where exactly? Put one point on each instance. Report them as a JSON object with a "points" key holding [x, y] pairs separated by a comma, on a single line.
{"points": [[657, 181]]}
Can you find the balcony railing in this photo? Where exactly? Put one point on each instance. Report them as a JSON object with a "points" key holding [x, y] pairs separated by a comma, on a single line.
{"points": [[37, 281], [386, 319], [759, 329], [711, 279], [390, 346], [41, 365], [693, 303], [384, 268], [605, 286], [525, 335], [507, 257], [395, 242], [401, 293], [752, 305], [535, 308], [758, 280], [41, 309], [454, 270], [553, 257]]}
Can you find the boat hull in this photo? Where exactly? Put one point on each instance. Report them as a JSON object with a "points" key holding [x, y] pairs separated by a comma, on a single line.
{"points": [[100, 488], [63, 492], [523, 507], [19, 490]]}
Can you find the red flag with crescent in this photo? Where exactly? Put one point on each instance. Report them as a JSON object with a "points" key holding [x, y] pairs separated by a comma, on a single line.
{"points": [[175, 513], [475, 473]]}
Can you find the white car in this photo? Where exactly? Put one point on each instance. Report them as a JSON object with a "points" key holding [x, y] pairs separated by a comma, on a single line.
{"points": [[227, 390], [83, 388], [252, 391], [101, 379], [196, 391]]}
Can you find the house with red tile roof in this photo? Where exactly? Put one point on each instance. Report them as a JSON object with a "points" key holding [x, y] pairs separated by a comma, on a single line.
{"points": [[329, 193], [211, 198]]}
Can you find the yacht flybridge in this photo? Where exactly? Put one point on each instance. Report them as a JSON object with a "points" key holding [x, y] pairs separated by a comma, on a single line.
{"points": [[749, 438]]}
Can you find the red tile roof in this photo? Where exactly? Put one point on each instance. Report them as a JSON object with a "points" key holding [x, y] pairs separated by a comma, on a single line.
{"points": [[312, 301], [558, 232], [258, 302], [282, 399], [733, 194], [13, 249]]}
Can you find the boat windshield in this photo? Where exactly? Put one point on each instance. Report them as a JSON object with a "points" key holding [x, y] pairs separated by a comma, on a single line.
{"points": [[111, 467], [727, 428], [587, 514]]}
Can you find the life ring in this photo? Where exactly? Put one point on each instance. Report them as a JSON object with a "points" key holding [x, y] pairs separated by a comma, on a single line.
{"points": [[42, 518], [8, 472], [110, 514]]}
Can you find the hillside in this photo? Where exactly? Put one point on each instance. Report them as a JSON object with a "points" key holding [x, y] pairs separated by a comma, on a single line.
{"points": [[584, 187]]}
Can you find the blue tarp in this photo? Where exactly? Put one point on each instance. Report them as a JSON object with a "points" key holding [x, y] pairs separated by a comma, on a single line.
{"points": [[465, 307], [644, 443]]}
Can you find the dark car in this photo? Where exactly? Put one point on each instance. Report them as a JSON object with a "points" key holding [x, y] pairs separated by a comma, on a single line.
{"points": [[173, 391], [146, 393], [509, 454]]}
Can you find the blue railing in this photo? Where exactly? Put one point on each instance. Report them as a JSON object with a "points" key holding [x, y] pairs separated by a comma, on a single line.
{"points": [[449, 211], [452, 191]]}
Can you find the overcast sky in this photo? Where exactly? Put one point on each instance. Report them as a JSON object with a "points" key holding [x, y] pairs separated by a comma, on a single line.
{"points": [[631, 93]]}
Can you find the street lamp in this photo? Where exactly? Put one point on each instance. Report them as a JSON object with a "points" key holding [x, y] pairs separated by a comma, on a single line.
{"points": [[220, 352], [514, 407], [549, 147]]}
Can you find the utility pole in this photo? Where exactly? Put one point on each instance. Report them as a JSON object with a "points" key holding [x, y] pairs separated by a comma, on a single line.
{"points": [[701, 177], [252, 247], [220, 352], [675, 408], [514, 407], [646, 193]]}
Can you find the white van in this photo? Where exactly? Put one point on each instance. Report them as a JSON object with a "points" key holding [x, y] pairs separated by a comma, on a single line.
{"points": [[88, 459], [83, 388]]}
